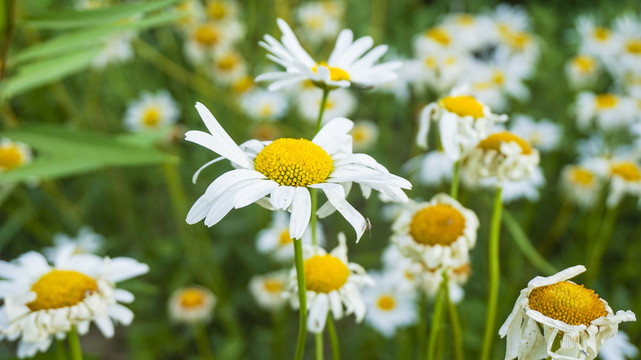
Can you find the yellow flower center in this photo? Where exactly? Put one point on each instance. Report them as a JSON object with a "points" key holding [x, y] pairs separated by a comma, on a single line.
{"points": [[61, 288], [228, 62], [581, 176], [217, 10], [464, 105], [498, 78], [266, 110], [439, 35], [206, 35], [386, 302], [151, 116], [430, 62], [314, 22], [294, 162], [360, 134], [627, 170], [584, 63], [606, 101], [243, 84], [191, 298], [634, 46], [273, 286], [438, 224], [601, 33], [465, 19], [518, 40], [335, 74], [494, 141], [325, 273], [284, 238], [10, 157], [564, 301]]}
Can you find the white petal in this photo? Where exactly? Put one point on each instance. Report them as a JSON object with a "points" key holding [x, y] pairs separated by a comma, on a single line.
{"points": [[123, 268], [336, 195], [343, 42], [105, 325], [251, 193], [301, 211], [333, 130], [282, 197], [318, 313], [424, 121], [449, 137]]}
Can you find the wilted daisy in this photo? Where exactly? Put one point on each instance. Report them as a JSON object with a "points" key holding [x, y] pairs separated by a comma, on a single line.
{"points": [[364, 135], [433, 168], [618, 347], [42, 301], [388, 308], [116, 49], [556, 318], [348, 63], [151, 112], [264, 105], [580, 185], [269, 290], [228, 66], [543, 135], [440, 232], [192, 304], [85, 242], [607, 111], [286, 169], [340, 102], [463, 121], [582, 71], [13, 154], [276, 241], [332, 283]]}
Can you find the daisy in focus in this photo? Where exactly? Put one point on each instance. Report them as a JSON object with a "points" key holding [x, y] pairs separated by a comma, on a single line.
{"points": [[270, 290], [332, 284], [276, 242], [388, 308], [349, 63], [556, 318], [151, 112], [13, 154], [42, 301], [286, 169], [192, 304]]}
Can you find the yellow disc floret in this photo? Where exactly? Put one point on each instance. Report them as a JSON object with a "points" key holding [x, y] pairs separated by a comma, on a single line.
{"points": [[335, 74], [273, 286], [564, 301], [439, 224], [217, 10], [294, 162], [151, 116], [581, 176], [629, 171], [585, 63], [633, 46], [438, 35], [494, 141], [206, 35], [192, 297], [10, 157], [386, 302], [606, 101], [601, 33], [61, 288], [463, 106], [284, 238], [325, 273]]}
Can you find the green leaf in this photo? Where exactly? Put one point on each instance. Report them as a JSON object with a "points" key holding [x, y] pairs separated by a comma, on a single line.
{"points": [[62, 152], [94, 17]]}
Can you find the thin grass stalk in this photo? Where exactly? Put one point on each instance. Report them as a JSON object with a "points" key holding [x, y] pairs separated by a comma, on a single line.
{"points": [[455, 180], [333, 338], [436, 318], [202, 342]]}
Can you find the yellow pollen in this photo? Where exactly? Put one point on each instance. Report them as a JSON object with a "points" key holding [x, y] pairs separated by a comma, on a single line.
{"points": [[634, 46], [273, 286], [314, 22], [191, 298], [284, 238], [564, 301], [601, 33], [581, 176], [494, 141], [217, 10], [61, 288], [206, 35], [584, 63], [227, 62], [605, 101], [386, 302], [325, 273], [10, 157], [243, 84], [151, 116], [438, 224], [335, 74], [463, 106], [439, 35], [294, 162], [627, 170]]}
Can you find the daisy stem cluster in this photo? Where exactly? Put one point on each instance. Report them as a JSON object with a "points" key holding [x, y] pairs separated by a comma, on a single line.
{"points": [[436, 318], [302, 298], [493, 256], [74, 344]]}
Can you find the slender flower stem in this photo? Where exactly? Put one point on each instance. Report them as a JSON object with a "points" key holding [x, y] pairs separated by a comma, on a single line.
{"points": [[10, 20], [319, 120], [202, 341], [526, 247], [74, 344], [60, 350], [455, 180], [457, 337], [493, 256], [436, 318], [601, 243], [314, 195], [302, 299], [319, 346], [333, 338]]}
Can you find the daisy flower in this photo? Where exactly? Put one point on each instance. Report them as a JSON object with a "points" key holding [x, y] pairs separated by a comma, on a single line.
{"points": [[151, 112], [276, 241], [317, 24], [437, 233], [264, 105], [618, 347], [13, 154], [42, 301], [436, 40], [269, 290], [192, 304], [364, 135], [192, 13], [218, 10], [207, 38], [513, 190], [432, 169], [463, 121], [492, 83], [608, 111], [596, 40], [543, 135], [86, 242], [117, 49], [388, 308], [405, 270], [556, 318], [286, 169], [625, 179], [582, 71], [332, 284], [580, 185], [228, 66], [437, 71], [348, 63], [430, 281], [628, 59], [340, 102]]}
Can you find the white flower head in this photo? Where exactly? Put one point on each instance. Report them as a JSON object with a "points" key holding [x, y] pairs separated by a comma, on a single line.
{"points": [[42, 301], [405, 270], [437, 233], [208, 38], [270, 290], [543, 135], [430, 281], [582, 71], [388, 308], [151, 112], [332, 283], [349, 63], [553, 307], [86, 242], [596, 40], [221, 10], [618, 347], [625, 179], [607, 111], [286, 169], [228, 66], [192, 304], [13, 154], [317, 22], [581, 185], [264, 105], [117, 49], [364, 134], [276, 241]]}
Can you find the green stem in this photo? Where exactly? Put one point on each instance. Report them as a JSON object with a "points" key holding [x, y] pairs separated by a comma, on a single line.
{"points": [[74, 344], [421, 327], [314, 195], [321, 111], [455, 180], [457, 337], [202, 342], [319, 346], [494, 276], [436, 319], [60, 350], [520, 238], [10, 17], [302, 299], [601, 243], [333, 338]]}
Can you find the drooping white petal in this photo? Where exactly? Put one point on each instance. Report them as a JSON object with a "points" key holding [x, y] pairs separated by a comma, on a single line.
{"points": [[318, 313], [336, 195], [301, 211], [332, 131], [251, 193], [282, 197]]}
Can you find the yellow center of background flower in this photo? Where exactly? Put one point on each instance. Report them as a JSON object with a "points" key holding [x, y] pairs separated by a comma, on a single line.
{"points": [[273, 286], [494, 141], [439, 35], [634, 47], [217, 10], [605, 101], [227, 62], [581, 176], [438, 224], [584, 63], [10, 157], [325, 273], [191, 298], [61, 288], [627, 170], [601, 33], [463, 106], [151, 116], [243, 84], [206, 35], [284, 238], [294, 162], [518, 40], [386, 302], [571, 303], [335, 74]]}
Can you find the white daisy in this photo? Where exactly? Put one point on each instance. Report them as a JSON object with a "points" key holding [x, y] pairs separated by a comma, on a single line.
{"points": [[470, 31], [42, 301], [582, 71], [405, 270], [618, 347], [276, 241], [627, 29], [526, 188], [437, 71], [221, 10], [340, 102], [286, 169], [192, 13], [13, 154], [607, 111], [388, 308], [207, 38], [543, 135], [228, 66], [364, 135], [151, 112], [625, 179], [580, 185], [269, 290], [348, 64], [492, 83], [596, 40], [192, 304], [264, 105], [117, 49], [436, 40], [432, 169], [317, 24], [332, 283], [557, 318], [430, 281], [86, 242]]}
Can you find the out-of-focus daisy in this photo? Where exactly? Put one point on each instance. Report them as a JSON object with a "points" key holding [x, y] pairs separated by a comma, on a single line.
{"points": [[86, 242], [270, 290], [582, 71], [243, 84], [276, 241], [607, 111], [13, 154], [618, 347], [42, 301], [493, 83], [348, 63], [207, 38], [435, 40], [580, 185], [265, 131], [513, 190], [192, 11], [286, 169], [596, 40], [463, 121], [192, 304], [364, 135], [574, 320], [430, 280], [220, 10], [151, 112], [340, 102], [264, 105], [117, 49], [440, 232], [437, 71], [317, 24], [388, 308], [471, 31], [332, 283], [628, 31], [228, 66], [625, 179], [432, 169], [543, 135], [405, 270]]}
